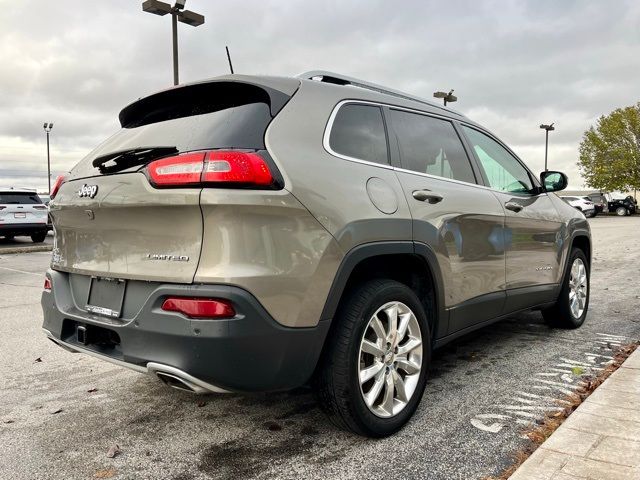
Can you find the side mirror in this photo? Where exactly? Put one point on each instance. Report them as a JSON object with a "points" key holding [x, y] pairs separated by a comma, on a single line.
{"points": [[554, 181]]}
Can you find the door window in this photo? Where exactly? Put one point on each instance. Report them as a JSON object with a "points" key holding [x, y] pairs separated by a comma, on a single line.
{"points": [[503, 171], [431, 145], [358, 132]]}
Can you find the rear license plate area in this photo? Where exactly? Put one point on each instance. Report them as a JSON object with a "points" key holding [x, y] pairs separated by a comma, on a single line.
{"points": [[106, 296], [20, 215]]}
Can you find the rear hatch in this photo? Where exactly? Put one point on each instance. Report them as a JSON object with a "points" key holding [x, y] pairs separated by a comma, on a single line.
{"points": [[131, 208], [18, 207]]}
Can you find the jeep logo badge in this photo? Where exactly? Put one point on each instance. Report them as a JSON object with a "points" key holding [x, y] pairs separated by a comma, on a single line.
{"points": [[88, 191]]}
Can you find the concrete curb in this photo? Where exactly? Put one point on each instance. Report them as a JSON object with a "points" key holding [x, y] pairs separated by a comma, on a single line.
{"points": [[26, 249], [601, 439]]}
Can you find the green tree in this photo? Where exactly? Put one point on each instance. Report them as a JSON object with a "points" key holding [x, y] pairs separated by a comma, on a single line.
{"points": [[610, 151]]}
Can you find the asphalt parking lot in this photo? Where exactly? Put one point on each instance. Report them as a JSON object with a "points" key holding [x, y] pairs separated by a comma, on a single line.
{"points": [[61, 412], [7, 245]]}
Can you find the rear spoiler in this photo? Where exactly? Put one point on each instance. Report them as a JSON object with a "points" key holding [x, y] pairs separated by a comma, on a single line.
{"points": [[208, 96]]}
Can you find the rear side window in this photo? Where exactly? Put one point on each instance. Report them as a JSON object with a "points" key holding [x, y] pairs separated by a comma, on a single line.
{"points": [[430, 145], [19, 198], [358, 132]]}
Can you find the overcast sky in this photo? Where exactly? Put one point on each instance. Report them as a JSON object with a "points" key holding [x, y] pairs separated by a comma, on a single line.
{"points": [[513, 64]]}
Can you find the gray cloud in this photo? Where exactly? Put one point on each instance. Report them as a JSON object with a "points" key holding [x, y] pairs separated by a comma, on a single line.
{"points": [[513, 64]]}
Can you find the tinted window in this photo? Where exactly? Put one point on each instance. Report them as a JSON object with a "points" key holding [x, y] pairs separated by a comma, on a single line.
{"points": [[15, 197], [358, 132], [504, 172], [430, 145], [217, 115]]}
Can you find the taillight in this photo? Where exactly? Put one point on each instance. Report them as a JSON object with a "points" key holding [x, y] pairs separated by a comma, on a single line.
{"points": [[181, 170], [194, 307], [47, 284], [214, 167], [236, 167], [40, 207], [56, 186]]}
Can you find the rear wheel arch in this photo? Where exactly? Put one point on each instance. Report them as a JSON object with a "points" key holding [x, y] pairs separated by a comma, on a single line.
{"points": [[412, 264]]}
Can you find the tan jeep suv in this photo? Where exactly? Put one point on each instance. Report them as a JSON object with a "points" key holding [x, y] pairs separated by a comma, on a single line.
{"points": [[251, 233]]}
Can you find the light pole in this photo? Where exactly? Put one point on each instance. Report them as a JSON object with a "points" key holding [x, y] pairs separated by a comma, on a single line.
{"points": [[47, 128], [548, 128], [177, 15], [447, 97]]}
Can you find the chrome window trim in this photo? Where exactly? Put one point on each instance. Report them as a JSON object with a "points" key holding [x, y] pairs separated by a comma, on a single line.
{"points": [[444, 179], [334, 113], [329, 127]]}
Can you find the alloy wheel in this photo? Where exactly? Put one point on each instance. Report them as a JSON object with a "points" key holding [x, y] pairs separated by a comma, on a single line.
{"points": [[390, 359], [578, 290]]}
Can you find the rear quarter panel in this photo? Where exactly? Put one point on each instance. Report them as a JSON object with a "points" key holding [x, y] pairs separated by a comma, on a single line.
{"points": [[332, 188]]}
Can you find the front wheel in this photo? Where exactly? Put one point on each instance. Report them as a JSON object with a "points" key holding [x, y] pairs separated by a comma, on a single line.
{"points": [[373, 372], [571, 307], [621, 211]]}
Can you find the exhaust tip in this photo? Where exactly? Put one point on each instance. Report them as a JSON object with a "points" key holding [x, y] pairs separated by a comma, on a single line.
{"points": [[175, 382]]}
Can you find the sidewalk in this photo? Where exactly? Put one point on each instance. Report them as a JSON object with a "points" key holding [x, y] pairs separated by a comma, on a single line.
{"points": [[600, 440]]}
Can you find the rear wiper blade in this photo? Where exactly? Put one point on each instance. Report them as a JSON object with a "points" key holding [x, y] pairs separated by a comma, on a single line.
{"points": [[123, 159]]}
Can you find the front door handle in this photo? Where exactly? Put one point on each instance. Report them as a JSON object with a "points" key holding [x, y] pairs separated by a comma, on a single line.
{"points": [[513, 206], [427, 196]]}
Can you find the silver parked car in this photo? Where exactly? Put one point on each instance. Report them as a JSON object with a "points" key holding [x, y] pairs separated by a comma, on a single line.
{"points": [[251, 233], [22, 213]]}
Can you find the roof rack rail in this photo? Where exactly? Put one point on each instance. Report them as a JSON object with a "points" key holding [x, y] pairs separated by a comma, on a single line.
{"points": [[338, 79]]}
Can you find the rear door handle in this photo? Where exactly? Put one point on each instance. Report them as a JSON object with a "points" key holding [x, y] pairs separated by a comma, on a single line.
{"points": [[427, 196], [513, 206]]}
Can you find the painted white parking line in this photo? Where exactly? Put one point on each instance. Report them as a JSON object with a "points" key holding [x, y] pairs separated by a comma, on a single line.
{"points": [[558, 380], [621, 337], [22, 271]]}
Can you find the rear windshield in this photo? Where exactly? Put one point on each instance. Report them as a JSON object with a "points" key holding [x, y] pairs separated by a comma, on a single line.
{"points": [[19, 197], [209, 116]]}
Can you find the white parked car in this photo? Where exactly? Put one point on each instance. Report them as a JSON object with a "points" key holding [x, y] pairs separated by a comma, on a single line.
{"points": [[579, 203], [22, 213]]}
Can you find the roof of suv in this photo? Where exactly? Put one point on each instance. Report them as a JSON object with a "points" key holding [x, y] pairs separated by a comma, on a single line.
{"points": [[289, 85], [343, 80], [17, 190]]}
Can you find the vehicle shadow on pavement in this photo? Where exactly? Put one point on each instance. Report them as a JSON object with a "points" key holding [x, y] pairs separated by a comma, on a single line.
{"points": [[248, 435]]}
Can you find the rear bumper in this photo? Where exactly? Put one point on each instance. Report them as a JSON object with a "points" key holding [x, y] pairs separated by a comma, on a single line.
{"points": [[250, 352], [18, 229]]}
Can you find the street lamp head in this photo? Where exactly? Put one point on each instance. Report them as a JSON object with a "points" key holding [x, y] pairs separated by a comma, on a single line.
{"points": [[50, 126], [191, 18], [448, 97], [156, 7], [45, 125], [548, 128], [180, 4]]}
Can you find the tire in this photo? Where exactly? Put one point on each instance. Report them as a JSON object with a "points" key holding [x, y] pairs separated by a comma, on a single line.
{"points": [[337, 381], [38, 237], [621, 211], [562, 315]]}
